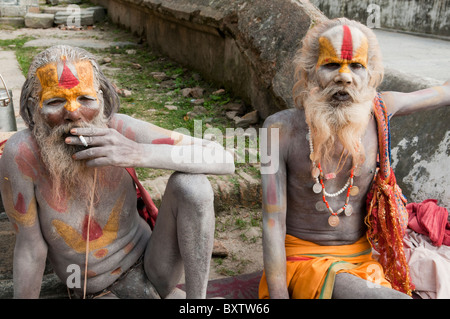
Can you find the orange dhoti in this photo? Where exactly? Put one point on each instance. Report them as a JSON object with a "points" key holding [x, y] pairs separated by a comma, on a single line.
{"points": [[311, 268]]}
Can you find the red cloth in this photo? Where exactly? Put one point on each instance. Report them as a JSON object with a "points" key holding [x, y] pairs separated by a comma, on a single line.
{"points": [[149, 212], [427, 218]]}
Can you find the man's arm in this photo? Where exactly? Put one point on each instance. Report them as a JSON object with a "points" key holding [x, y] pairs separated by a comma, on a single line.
{"points": [[273, 178], [134, 143], [30, 250], [406, 103]]}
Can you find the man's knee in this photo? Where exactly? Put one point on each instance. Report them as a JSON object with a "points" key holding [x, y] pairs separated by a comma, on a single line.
{"points": [[191, 188], [348, 286]]}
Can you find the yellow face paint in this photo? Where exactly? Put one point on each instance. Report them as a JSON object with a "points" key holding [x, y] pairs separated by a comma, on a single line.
{"points": [[72, 82], [342, 52], [74, 238]]}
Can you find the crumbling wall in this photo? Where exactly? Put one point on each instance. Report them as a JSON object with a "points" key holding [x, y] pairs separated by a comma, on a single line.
{"points": [[418, 16], [244, 46]]}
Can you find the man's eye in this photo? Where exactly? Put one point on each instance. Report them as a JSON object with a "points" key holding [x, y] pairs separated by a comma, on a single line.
{"points": [[356, 66], [85, 99], [54, 102], [332, 66]]}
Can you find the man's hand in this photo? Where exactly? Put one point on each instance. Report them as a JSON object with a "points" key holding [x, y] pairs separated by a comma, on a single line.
{"points": [[106, 147]]}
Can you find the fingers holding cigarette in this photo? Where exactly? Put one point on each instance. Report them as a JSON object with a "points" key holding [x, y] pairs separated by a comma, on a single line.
{"points": [[85, 136], [79, 140], [83, 140]]}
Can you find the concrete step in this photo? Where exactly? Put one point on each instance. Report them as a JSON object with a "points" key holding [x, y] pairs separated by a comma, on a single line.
{"points": [[39, 20]]}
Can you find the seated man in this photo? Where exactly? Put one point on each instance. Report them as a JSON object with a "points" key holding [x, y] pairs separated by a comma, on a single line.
{"points": [[314, 200], [69, 197]]}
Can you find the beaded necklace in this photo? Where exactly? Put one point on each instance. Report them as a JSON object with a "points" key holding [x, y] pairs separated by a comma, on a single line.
{"points": [[319, 187]]}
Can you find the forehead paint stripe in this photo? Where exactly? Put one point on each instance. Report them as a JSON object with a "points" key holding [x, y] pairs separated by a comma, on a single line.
{"points": [[67, 79], [347, 44]]}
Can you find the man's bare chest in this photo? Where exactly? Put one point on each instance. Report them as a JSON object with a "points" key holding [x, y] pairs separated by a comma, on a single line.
{"points": [[340, 182], [71, 220]]}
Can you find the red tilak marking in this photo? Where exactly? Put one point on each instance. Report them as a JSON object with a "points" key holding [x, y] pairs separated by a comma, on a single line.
{"points": [[95, 231], [27, 162], [130, 134], [20, 205], [166, 140], [272, 191], [119, 126], [67, 79], [347, 44]]}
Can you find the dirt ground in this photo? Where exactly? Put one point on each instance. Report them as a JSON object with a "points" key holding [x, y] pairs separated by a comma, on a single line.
{"points": [[238, 243]]}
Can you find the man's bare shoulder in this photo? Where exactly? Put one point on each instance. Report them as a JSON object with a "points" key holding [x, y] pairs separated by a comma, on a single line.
{"points": [[13, 144], [21, 153], [288, 120]]}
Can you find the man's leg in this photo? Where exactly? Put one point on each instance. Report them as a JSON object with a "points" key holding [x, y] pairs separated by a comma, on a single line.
{"points": [[348, 286], [183, 234]]}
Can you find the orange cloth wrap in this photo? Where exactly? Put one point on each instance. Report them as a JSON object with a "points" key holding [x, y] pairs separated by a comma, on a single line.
{"points": [[311, 268]]}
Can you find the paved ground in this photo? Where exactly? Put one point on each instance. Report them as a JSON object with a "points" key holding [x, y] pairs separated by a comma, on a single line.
{"points": [[14, 80], [421, 56]]}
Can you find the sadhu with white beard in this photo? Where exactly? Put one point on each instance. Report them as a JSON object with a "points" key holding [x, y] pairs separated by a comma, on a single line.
{"points": [[326, 205], [70, 195]]}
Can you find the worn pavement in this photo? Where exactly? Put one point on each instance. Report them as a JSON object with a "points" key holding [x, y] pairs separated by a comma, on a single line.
{"points": [[418, 55]]}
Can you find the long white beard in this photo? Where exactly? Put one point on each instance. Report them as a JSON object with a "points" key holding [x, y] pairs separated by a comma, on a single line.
{"points": [[69, 177], [346, 120]]}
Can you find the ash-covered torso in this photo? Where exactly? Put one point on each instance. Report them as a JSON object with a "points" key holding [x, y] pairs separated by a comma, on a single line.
{"points": [[303, 219], [117, 234]]}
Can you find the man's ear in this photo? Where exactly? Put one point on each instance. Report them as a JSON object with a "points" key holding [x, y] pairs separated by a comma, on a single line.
{"points": [[32, 106], [100, 96]]}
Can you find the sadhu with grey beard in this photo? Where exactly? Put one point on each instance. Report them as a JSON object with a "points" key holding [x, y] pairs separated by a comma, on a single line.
{"points": [[69, 197], [317, 230]]}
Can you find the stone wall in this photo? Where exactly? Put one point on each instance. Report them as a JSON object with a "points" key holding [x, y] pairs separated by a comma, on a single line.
{"points": [[420, 144], [17, 8], [431, 17], [244, 46]]}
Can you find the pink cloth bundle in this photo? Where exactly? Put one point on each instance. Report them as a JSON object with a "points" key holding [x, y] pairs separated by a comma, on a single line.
{"points": [[427, 218]]}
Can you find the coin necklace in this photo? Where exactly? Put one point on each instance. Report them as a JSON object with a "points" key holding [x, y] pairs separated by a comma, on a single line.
{"points": [[319, 187]]}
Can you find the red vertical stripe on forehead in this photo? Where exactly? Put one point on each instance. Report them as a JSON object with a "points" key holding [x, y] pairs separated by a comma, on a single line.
{"points": [[67, 79], [347, 44]]}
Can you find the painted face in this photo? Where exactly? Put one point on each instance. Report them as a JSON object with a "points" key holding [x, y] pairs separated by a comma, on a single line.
{"points": [[345, 46], [68, 93], [343, 57]]}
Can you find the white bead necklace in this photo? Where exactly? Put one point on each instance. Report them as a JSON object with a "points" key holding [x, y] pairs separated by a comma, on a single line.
{"points": [[316, 175]]}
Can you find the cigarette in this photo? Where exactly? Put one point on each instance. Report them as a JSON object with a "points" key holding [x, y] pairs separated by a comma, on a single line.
{"points": [[83, 140]]}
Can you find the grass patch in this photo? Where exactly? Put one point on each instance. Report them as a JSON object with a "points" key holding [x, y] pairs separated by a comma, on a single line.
{"points": [[24, 55]]}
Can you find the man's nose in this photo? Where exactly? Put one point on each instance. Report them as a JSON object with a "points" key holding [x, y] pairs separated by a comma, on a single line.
{"points": [[343, 78], [72, 111], [72, 105]]}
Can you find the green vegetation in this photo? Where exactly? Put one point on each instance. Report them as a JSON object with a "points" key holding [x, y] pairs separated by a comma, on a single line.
{"points": [[24, 55]]}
